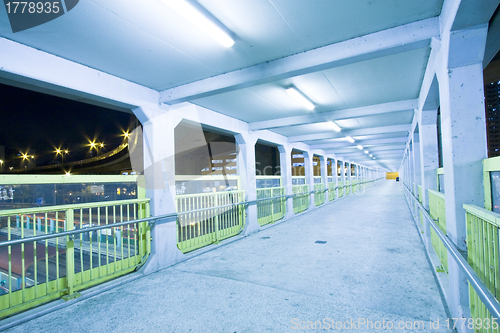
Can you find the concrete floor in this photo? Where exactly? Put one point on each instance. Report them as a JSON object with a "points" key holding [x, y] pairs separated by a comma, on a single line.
{"points": [[372, 267]]}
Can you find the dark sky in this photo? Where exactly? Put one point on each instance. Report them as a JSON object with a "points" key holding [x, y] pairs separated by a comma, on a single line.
{"points": [[30, 119]]}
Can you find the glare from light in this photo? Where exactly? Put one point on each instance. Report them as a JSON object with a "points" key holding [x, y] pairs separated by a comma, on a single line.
{"points": [[348, 138], [66, 151], [1, 161], [126, 134], [68, 174], [92, 144], [101, 145], [360, 147], [370, 155], [58, 151], [299, 97], [335, 127], [25, 156], [366, 151], [186, 10]]}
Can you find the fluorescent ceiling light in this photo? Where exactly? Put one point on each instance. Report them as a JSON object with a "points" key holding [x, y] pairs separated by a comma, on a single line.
{"points": [[359, 146], [335, 127], [190, 13], [348, 138], [366, 151], [299, 97]]}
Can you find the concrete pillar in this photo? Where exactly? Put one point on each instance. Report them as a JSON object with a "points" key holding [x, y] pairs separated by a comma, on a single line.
{"points": [[324, 174], [246, 170], [460, 77], [286, 176], [349, 177], [159, 171], [416, 154], [335, 176], [309, 172], [342, 176], [429, 158]]}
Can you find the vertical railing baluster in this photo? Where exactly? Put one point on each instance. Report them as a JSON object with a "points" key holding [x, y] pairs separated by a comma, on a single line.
{"points": [[70, 248]]}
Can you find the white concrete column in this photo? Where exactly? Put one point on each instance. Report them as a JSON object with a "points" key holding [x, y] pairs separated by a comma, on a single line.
{"points": [[412, 165], [309, 172], [335, 177], [286, 176], [324, 174], [349, 177], [464, 145], [429, 158], [246, 170], [159, 171], [342, 175], [416, 154]]}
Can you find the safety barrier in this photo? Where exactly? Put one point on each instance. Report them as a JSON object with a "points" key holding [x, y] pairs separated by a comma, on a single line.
{"points": [[486, 306], [301, 200], [331, 191], [437, 211], [52, 252], [341, 189], [319, 194], [269, 211], [207, 218], [482, 255]]}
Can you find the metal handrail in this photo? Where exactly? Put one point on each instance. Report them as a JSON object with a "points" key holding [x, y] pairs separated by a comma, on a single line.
{"points": [[151, 220], [483, 292]]}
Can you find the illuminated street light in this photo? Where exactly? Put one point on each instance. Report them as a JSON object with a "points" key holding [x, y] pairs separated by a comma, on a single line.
{"points": [[92, 144], [101, 145], [25, 157], [126, 135]]}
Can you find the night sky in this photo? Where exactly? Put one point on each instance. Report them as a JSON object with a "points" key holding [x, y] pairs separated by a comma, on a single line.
{"points": [[42, 122]]}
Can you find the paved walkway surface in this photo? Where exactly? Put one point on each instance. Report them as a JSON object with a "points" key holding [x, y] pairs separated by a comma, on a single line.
{"points": [[372, 268]]}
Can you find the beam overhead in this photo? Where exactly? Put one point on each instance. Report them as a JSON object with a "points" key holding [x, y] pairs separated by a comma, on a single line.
{"points": [[361, 131], [341, 144], [391, 41], [370, 110]]}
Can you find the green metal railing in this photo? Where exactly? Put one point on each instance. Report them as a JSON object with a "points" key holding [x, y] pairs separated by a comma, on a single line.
{"points": [[420, 200], [269, 211], [319, 194], [341, 189], [331, 191], [43, 265], [481, 293], [437, 211], [211, 218], [300, 201], [483, 256]]}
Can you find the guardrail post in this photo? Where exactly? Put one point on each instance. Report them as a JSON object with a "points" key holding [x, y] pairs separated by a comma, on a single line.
{"points": [[216, 222], [70, 252]]}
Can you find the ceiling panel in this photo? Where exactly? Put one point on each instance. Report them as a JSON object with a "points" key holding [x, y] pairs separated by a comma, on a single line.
{"points": [[392, 78], [147, 43], [321, 22]]}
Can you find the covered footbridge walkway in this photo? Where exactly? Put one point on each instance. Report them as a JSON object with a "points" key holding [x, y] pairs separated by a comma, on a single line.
{"points": [[359, 259]]}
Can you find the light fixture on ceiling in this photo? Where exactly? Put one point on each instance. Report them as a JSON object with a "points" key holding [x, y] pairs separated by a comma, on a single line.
{"points": [[370, 155], [300, 97], [366, 151], [333, 125], [348, 138], [199, 20], [360, 147]]}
